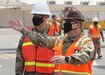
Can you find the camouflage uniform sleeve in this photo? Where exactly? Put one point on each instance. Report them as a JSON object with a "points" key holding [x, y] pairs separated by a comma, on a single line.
{"points": [[56, 33], [39, 39], [86, 54], [101, 32], [19, 66], [60, 28], [89, 30]]}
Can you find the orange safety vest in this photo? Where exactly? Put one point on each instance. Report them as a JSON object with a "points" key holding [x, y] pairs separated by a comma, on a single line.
{"points": [[95, 32], [69, 69], [37, 59], [56, 28]]}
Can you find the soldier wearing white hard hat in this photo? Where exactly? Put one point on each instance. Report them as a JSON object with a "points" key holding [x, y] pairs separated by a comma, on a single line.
{"points": [[32, 59], [95, 31]]}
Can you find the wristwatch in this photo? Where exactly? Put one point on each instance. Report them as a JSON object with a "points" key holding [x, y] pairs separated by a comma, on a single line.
{"points": [[66, 59]]}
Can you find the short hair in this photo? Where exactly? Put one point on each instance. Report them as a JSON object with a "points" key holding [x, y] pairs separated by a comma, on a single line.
{"points": [[53, 16]]}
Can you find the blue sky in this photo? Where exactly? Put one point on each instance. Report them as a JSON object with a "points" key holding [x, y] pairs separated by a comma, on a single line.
{"points": [[92, 2]]}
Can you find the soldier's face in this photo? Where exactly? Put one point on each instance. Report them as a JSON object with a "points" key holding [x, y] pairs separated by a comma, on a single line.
{"points": [[54, 19], [76, 29], [70, 25], [39, 21], [76, 26]]}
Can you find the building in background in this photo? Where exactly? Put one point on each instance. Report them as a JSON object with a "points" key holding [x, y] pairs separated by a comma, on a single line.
{"points": [[17, 9]]}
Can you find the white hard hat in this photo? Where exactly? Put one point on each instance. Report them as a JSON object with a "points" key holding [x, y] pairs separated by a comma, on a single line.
{"points": [[41, 8], [95, 19]]}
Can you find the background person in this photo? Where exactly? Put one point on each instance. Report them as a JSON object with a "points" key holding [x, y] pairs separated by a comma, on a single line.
{"points": [[94, 32], [55, 25]]}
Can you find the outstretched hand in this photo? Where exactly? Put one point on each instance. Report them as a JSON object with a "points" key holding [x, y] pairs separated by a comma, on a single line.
{"points": [[16, 24]]}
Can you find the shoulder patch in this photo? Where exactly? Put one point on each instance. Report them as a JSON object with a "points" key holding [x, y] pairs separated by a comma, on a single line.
{"points": [[88, 46]]}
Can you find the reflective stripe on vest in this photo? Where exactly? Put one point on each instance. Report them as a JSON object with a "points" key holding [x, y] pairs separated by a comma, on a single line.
{"points": [[56, 72], [27, 43], [65, 72], [30, 63], [39, 64]]}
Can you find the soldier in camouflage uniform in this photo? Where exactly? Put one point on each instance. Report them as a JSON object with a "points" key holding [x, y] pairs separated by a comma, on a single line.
{"points": [[94, 32], [19, 58], [76, 61], [40, 27]]}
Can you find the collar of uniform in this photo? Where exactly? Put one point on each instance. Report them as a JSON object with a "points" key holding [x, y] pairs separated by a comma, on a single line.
{"points": [[41, 31], [72, 39]]}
